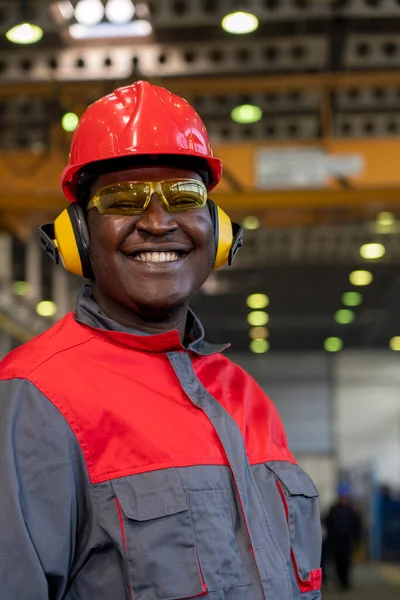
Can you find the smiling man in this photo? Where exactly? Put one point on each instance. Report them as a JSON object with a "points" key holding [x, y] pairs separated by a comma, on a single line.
{"points": [[136, 461]]}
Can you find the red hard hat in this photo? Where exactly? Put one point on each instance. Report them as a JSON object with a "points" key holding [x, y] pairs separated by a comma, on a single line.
{"points": [[135, 120]]}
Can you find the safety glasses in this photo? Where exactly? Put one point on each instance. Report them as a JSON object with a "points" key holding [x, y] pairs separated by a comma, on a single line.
{"points": [[133, 197]]}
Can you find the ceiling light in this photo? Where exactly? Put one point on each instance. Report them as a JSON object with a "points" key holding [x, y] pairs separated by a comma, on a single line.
{"points": [[70, 121], [258, 318], [24, 33], [89, 12], [119, 11], [239, 22], [394, 343], [259, 346], [20, 288], [46, 308], [259, 333], [372, 251], [351, 298], [360, 277], [386, 219], [251, 223], [344, 316], [246, 113], [137, 28], [333, 344], [257, 301]]}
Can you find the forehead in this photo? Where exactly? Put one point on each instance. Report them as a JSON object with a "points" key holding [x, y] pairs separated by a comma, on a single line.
{"points": [[145, 173]]}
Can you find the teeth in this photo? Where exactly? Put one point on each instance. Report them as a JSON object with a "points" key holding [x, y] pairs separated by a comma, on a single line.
{"points": [[157, 256]]}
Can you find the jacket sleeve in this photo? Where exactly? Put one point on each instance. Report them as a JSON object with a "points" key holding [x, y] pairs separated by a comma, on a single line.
{"points": [[44, 490]]}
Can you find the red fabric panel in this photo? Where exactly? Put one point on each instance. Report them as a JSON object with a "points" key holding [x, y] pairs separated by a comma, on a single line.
{"points": [[127, 409]]}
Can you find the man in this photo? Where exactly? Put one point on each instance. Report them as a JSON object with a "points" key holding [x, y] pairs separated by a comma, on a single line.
{"points": [[343, 529], [136, 460]]}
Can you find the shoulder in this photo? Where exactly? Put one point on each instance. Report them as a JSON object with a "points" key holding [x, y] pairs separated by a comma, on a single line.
{"points": [[61, 338]]}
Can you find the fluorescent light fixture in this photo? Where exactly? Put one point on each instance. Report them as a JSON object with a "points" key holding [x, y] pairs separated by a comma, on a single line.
{"points": [[120, 11], [386, 219], [46, 308], [259, 346], [351, 298], [246, 113], [70, 121], [20, 288], [360, 277], [251, 222], [344, 316], [372, 251], [258, 333], [257, 301], [137, 28], [24, 33], [394, 343], [258, 318], [333, 344], [239, 22], [89, 12]]}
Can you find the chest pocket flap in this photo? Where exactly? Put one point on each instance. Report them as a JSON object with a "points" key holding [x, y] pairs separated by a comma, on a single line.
{"points": [[300, 499], [160, 544]]}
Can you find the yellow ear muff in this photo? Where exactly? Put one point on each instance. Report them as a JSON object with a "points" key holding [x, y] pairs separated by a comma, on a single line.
{"points": [[72, 240], [223, 237]]}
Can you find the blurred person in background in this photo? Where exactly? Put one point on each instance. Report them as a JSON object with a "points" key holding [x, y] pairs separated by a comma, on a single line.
{"points": [[135, 459], [343, 532]]}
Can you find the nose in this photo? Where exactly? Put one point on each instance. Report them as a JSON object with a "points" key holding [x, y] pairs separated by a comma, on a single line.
{"points": [[156, 220]]}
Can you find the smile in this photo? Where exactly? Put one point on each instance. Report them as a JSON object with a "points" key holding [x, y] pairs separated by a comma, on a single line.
{"points": [[157, 257]]}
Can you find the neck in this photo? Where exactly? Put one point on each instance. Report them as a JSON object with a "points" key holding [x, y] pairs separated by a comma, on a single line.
{"points": [[145, 319]]}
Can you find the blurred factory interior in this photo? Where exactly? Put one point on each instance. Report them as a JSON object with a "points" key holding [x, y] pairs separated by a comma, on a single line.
{"points": [[301, 99]]}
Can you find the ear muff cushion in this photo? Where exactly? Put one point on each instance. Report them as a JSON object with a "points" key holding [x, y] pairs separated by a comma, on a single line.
{"points": [[72, 238], [223, 234]]}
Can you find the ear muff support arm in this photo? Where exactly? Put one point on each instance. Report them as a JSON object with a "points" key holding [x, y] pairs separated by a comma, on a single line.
{"points": [[47, 242], [237, 242]]}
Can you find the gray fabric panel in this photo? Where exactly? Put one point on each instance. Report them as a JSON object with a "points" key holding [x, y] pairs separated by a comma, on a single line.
{"points": [[161, 550], [149, 496], [294, 479], [44, 496], [273, 565]]}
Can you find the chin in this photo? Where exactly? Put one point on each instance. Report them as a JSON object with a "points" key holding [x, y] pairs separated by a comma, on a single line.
{"points": [[160, 309]]}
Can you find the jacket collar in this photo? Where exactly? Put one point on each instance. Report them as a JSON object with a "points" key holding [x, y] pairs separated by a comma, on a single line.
{"points": [[89, 313]]}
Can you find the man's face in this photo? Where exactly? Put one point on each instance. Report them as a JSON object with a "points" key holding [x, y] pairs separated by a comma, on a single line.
{"points": [[119, 245]]}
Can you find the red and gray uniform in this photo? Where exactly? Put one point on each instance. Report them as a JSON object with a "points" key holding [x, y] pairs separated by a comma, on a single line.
{"points": [[132, 466]]}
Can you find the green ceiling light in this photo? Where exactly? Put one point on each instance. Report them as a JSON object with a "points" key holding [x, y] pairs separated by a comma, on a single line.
{"points": [[257, 301], [333, 344], [372, 251], [24, 33], [70, 122], [259, 346], [239, 22], [251, 223], [20, 288], [351, 298], [344, 316], [394, 343], [360, 277], [246, 113], [386, 219], [46, 308], [258, 318]]}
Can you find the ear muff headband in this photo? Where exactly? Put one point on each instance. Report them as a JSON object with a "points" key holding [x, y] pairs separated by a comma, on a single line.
{"points": [[72, 240]]}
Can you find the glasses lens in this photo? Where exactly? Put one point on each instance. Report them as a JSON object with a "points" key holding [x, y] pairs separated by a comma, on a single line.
{"points": [[126, 199], [185, 195]]}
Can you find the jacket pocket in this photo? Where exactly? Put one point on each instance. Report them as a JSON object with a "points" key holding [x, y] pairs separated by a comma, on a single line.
{"points": [[214, 532], [162, 556], [300, 501]]}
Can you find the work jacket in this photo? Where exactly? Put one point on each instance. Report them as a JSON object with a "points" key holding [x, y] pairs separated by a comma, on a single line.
{"points": [[135, 467]]}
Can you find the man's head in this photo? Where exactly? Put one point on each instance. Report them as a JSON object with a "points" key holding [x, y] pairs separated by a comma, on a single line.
{"points": [[154, 262]]}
